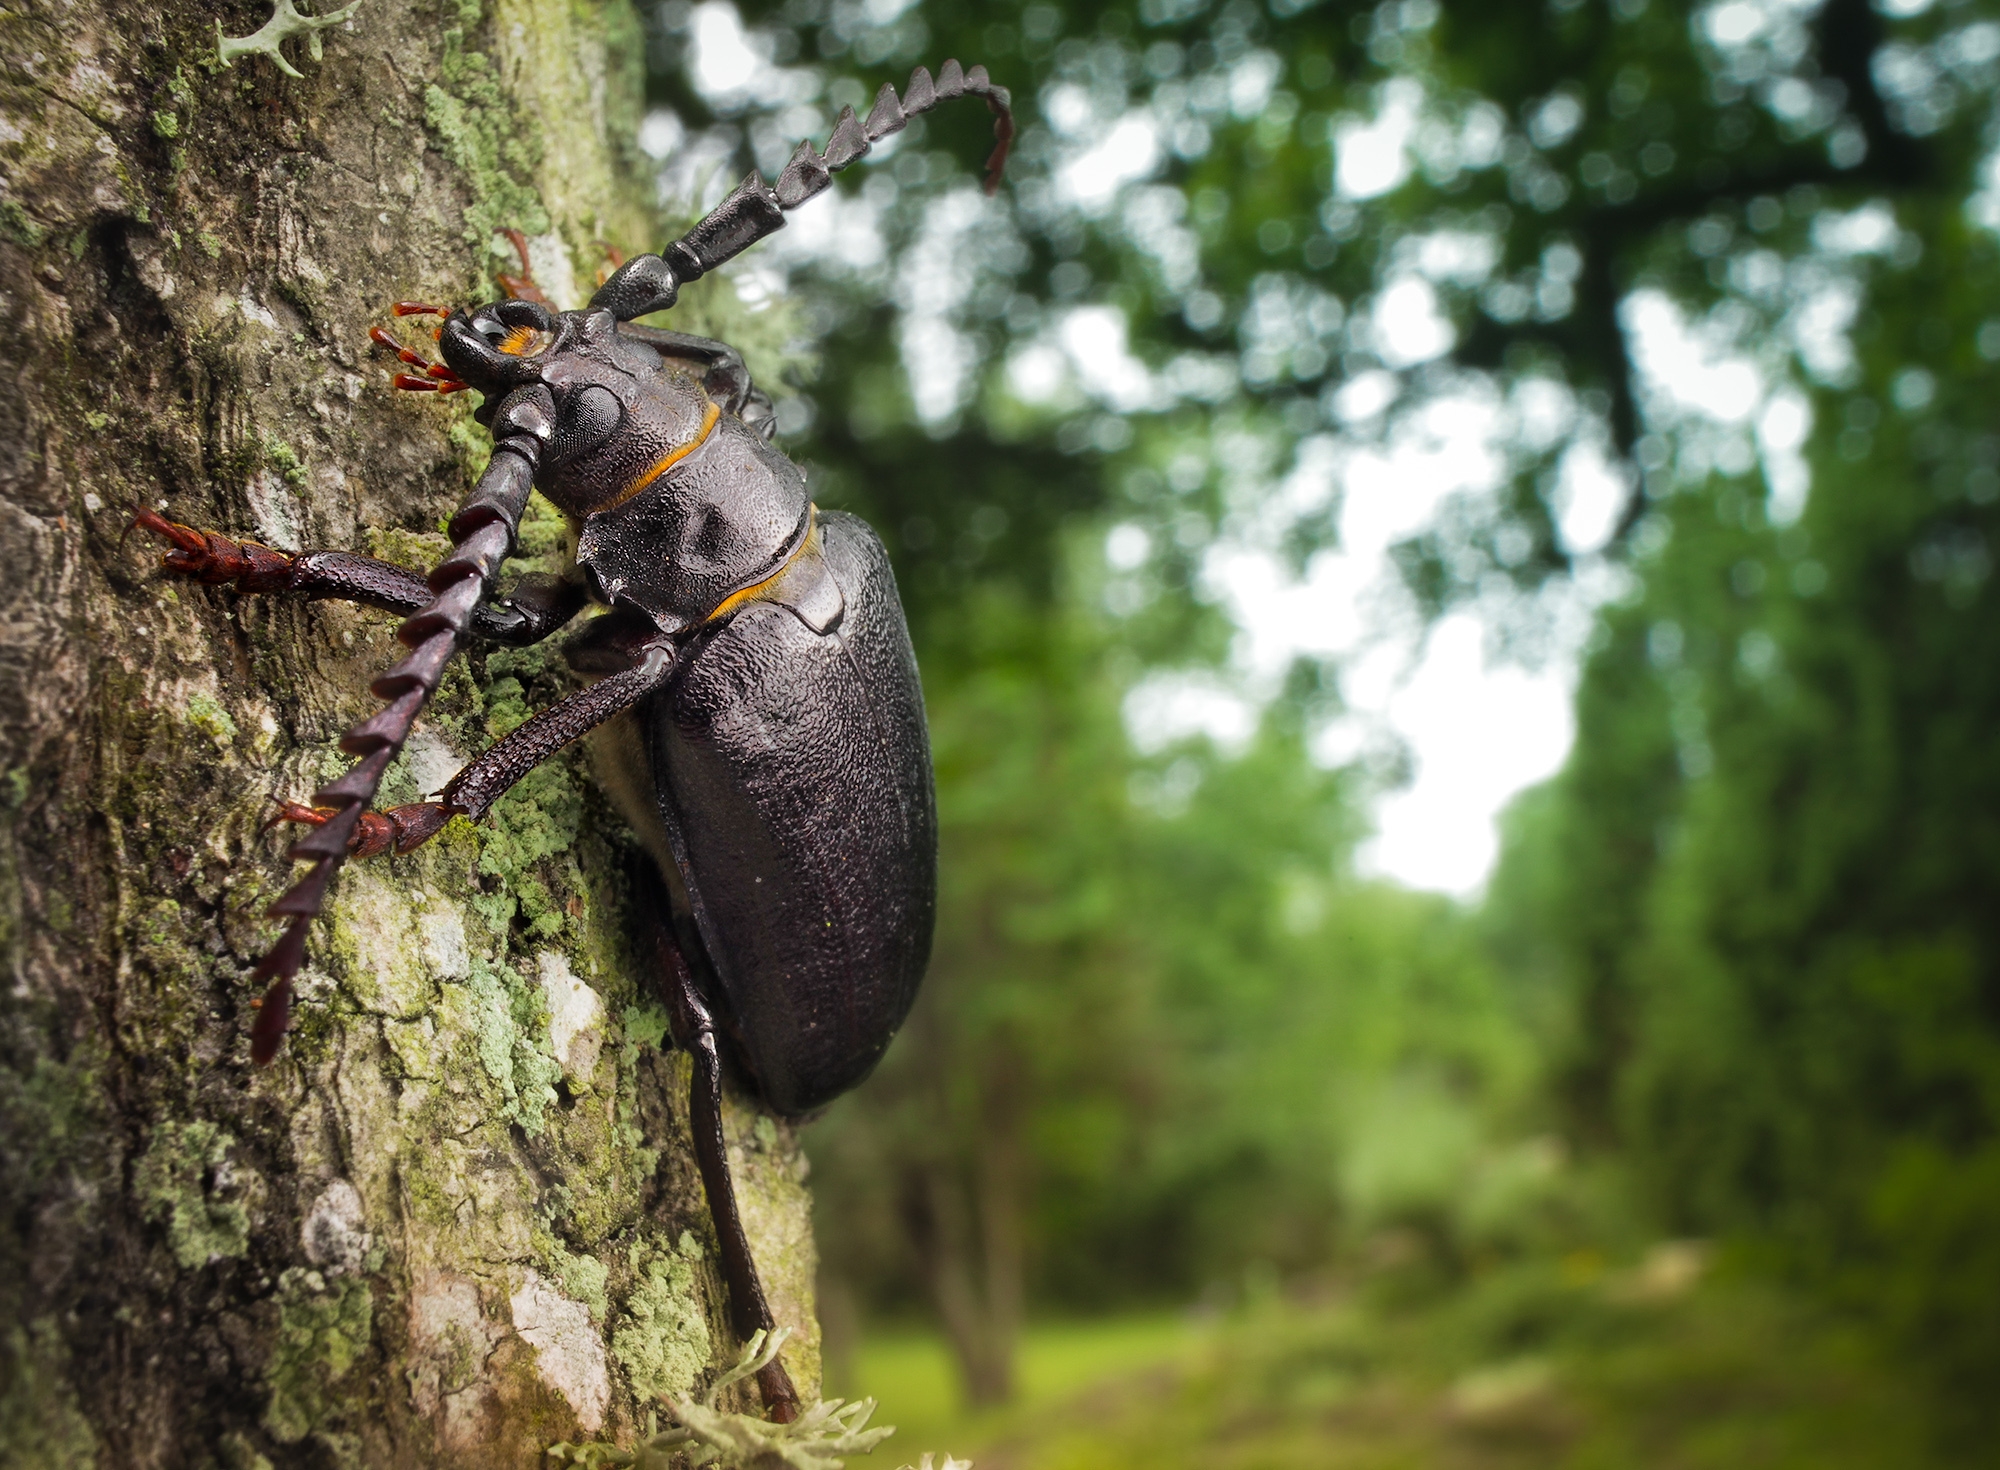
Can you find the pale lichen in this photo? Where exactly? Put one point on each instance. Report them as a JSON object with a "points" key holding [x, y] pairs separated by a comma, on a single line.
{"points": [[285, 24], [323, 1330], [708, 1436], [510, 1026], [582, 1277], [662, 1337], [178, 1178]]}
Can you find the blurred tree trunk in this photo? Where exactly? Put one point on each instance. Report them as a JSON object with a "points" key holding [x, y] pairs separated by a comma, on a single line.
{"points": [[458, 1219], [963, 1219]]}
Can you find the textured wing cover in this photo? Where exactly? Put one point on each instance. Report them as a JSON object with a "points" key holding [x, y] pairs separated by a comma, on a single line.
{"points": [[795, 775]]}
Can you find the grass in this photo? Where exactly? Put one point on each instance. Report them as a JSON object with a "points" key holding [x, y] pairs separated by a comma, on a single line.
{"points": [[1530, 1369], [912, 1378]]}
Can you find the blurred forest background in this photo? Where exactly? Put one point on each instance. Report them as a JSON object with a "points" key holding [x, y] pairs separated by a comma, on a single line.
{"points": [[1655, 345]]}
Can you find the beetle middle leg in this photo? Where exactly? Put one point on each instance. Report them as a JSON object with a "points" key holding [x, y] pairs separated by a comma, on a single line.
{"points": [[472, 792]]}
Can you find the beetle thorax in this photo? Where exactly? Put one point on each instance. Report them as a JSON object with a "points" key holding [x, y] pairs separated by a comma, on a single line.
{"points": [[623, 414]]}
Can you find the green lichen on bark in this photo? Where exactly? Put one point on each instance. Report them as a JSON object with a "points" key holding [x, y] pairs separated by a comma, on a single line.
{"points": [[510, 1024], [41, 1425], [583, 1277], [662, 1337], [496, 148], [323, 1331], [180, 1180]]}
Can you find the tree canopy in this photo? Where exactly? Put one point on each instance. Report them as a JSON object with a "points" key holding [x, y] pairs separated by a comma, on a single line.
{"points": [[1704, 301]]}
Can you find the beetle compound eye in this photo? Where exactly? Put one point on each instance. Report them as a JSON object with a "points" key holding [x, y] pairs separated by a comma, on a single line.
{"points": [[523, 341]]}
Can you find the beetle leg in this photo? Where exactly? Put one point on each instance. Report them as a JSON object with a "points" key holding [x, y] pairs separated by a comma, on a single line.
{"points": [[482, 535], [212, 558], [475, 789], [694, 1032], [436, 377], [521, 287], [399, 830], [530, 611], [472, 792]]}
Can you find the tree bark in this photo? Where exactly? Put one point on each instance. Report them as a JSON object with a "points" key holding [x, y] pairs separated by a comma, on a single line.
{"points": [[459, 1219]]}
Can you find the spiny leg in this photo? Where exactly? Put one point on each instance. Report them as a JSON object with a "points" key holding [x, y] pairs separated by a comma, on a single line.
{"points": [[694, 1033], [533, 608], [482, 535]]}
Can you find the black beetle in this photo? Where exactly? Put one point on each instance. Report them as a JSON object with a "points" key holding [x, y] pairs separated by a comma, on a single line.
{"points": [[765, 723]]}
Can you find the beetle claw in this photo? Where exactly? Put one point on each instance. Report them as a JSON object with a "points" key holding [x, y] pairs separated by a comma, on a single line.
{"points": [[400, 830], [212, 558]]}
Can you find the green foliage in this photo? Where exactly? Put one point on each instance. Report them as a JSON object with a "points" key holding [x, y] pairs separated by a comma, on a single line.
{"points": [[1540, 1366], [1157, 988], [1737, 972]]}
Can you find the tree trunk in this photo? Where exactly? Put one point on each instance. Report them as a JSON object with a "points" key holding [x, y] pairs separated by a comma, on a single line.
{"points": [[459, 1219], [963, 1218]]}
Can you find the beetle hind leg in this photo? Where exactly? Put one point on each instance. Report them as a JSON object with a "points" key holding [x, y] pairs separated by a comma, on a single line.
{"points": [[694, 1031]]}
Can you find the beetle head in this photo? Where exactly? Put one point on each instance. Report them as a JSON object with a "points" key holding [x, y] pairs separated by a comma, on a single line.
{"points": [[495, 348]]}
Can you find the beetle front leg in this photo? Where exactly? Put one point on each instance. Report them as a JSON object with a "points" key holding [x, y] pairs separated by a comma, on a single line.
{"points": [[694, 1033], [530, 611]]}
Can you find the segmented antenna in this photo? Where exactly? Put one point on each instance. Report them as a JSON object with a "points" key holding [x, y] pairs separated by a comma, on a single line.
{"points": [[755, 209], [482, 535]]}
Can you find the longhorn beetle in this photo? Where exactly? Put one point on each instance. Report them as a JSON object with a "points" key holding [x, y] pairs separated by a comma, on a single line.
{"points": [[754, 675]]}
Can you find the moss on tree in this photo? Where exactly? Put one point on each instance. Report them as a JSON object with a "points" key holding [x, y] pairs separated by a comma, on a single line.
{"points": [[416, 1239]]}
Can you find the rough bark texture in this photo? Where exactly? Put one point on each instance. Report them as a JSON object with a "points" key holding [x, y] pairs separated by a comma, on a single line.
{"points": [[459, 1219]]}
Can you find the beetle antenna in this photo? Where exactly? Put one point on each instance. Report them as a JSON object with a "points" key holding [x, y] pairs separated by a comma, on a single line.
{"points": [[650, 283], [482, 536]]}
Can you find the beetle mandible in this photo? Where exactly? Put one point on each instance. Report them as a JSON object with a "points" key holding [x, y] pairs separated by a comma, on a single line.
{"points": [[754, 674]]}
